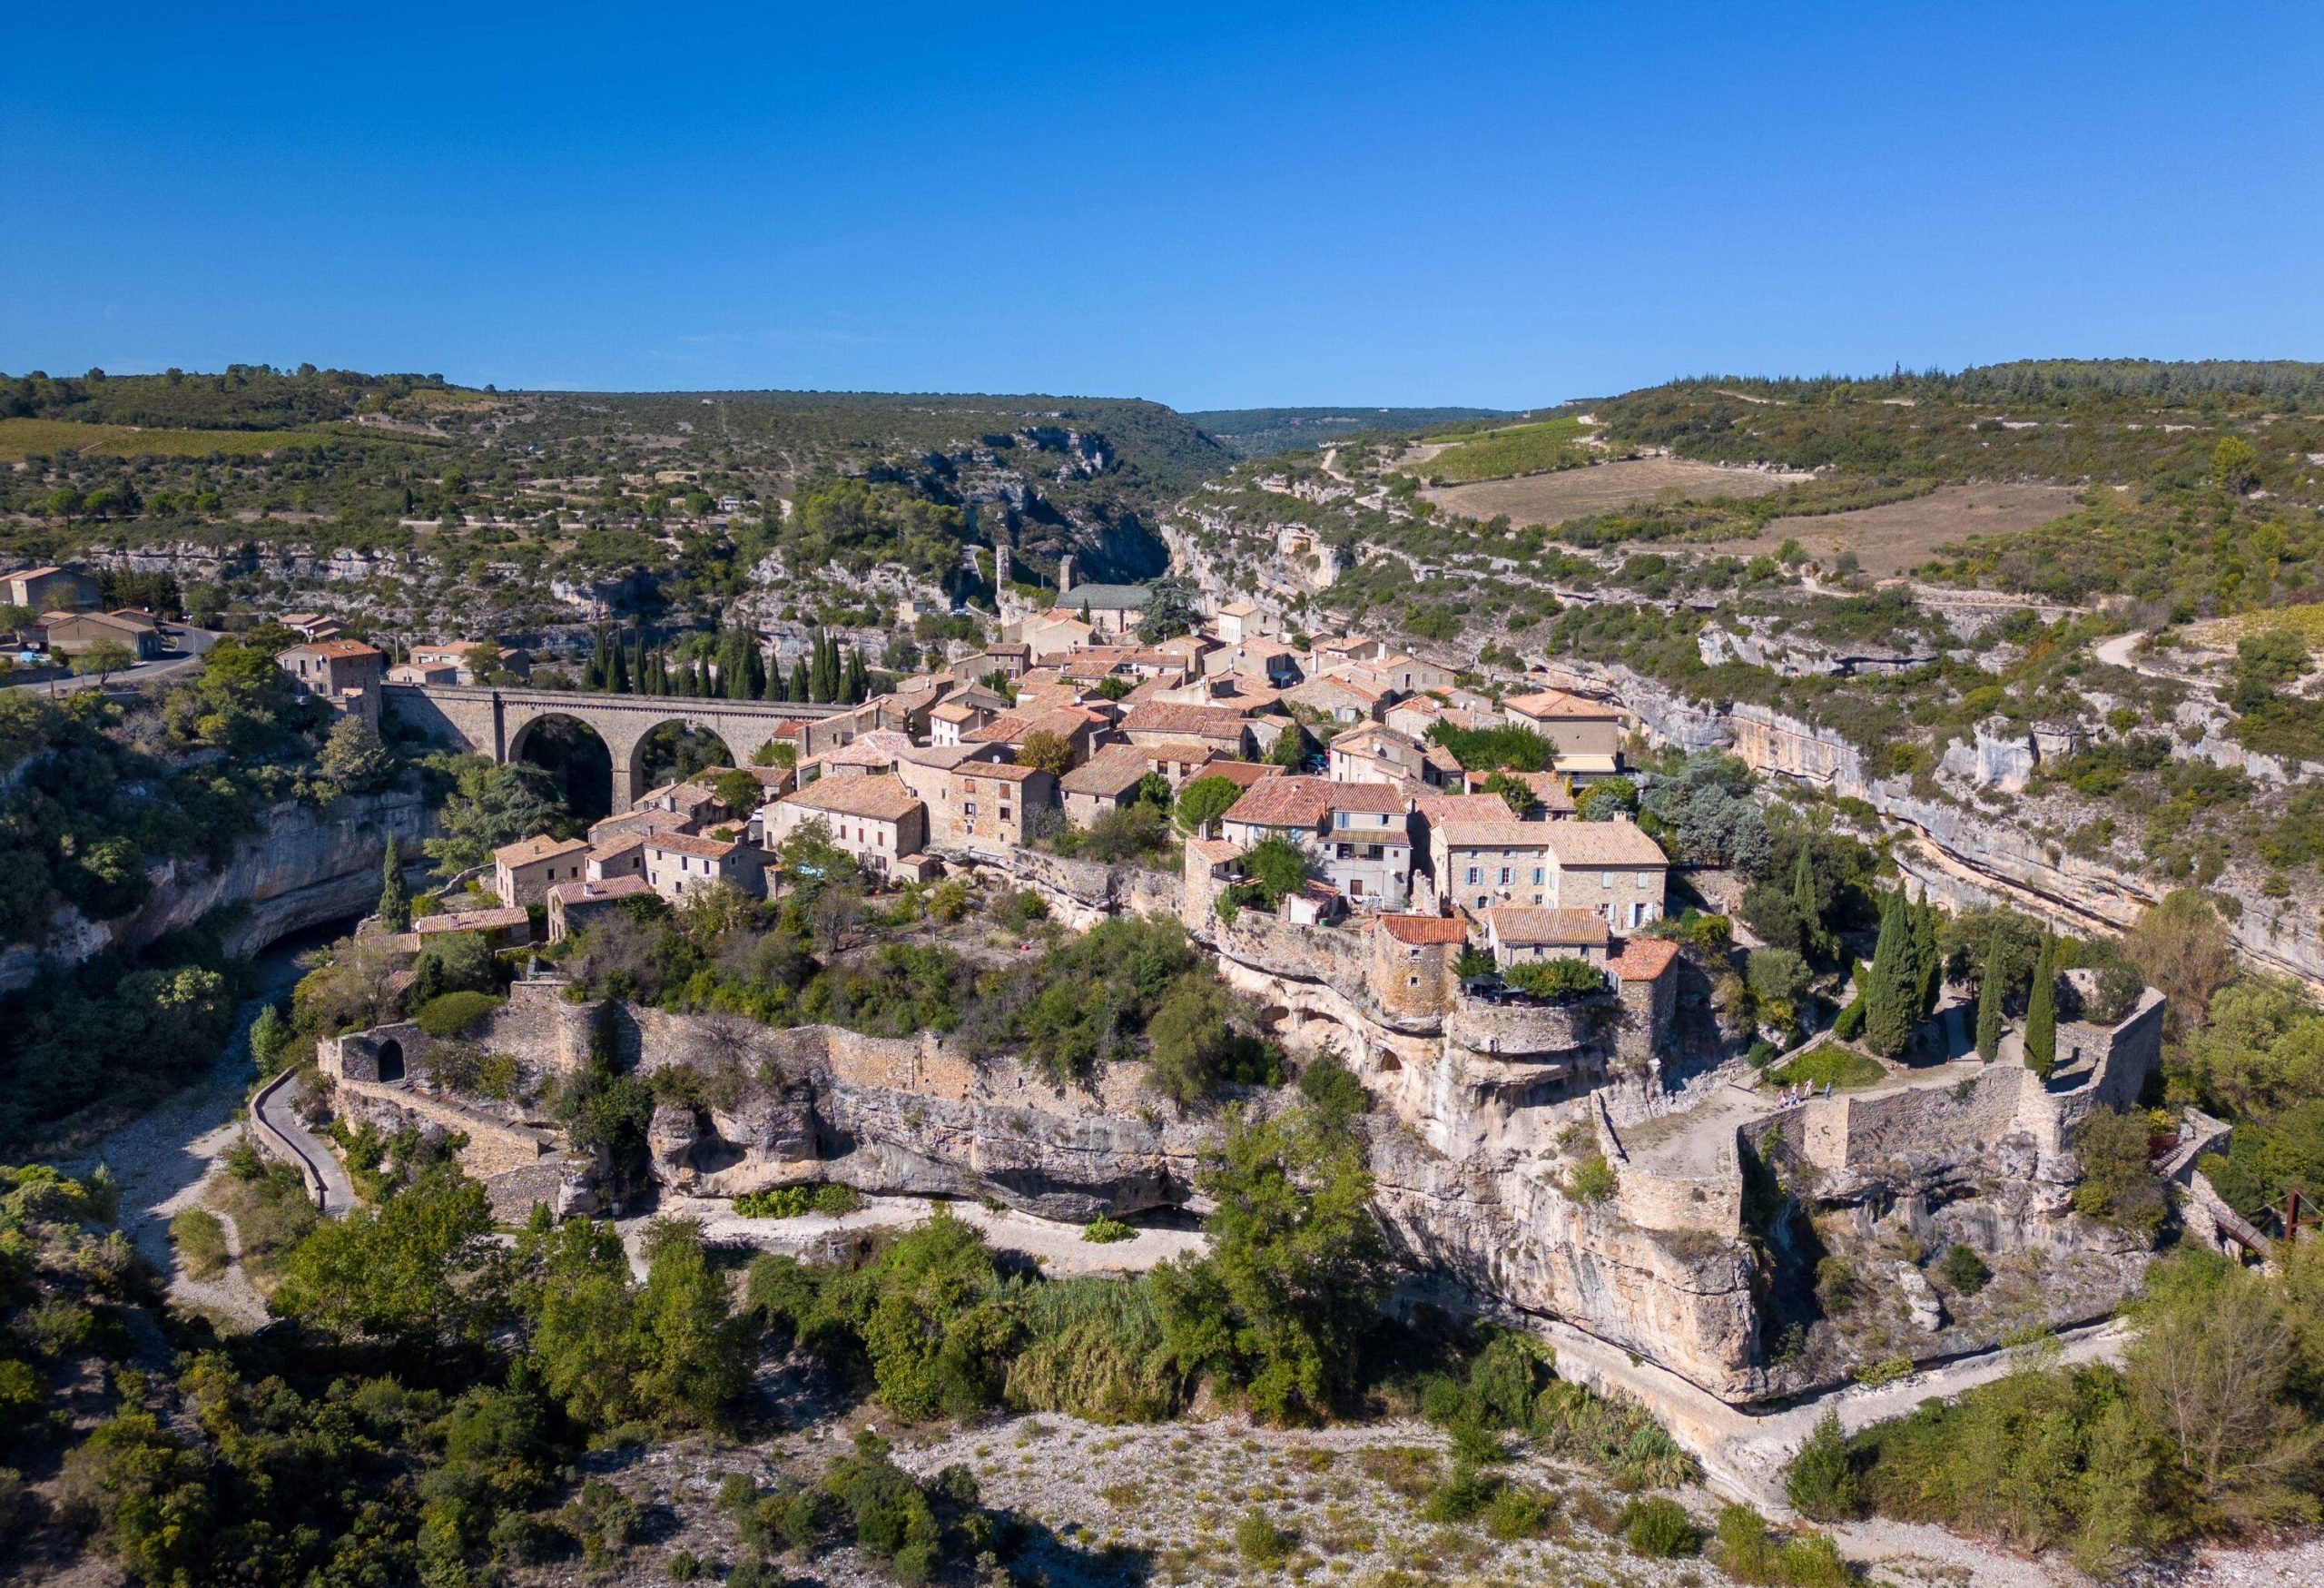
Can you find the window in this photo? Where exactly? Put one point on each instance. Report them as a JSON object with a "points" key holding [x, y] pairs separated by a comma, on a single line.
{"points": [[1504, 876], [1642, 882], [1605, 879], [1474, 876], [1540, 876], [1371, 851]]}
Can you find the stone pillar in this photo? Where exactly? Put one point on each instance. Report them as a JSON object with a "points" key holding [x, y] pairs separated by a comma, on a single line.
{"points": [[1065, 573]]}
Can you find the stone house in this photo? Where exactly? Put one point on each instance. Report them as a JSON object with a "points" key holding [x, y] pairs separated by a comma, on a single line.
{"points": [[345, 672], [994, 799], [1376, 753], [1475, 863], [1412, 969], [1104, 783], [1522, 934], [1242, 620], [1574, 727], [523, 872], [1221, 730], [1358, 835], [680, 863], [1610, 867], [1343, 700], [1080, 729], [622, 854], [876, 820]]}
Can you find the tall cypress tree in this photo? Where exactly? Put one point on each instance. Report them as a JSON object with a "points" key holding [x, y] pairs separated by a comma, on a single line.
{"points": [[703, 688], [395, 899], [1889, 1000], [754, 671], [617, 678], [1928, 959], [859, 678], [733, 672], [802, 687], [2042, 1011], [1803, 899], [1990, 989], [600, 668]]}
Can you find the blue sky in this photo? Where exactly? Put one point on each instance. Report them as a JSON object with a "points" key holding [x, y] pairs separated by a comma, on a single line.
{"points": [[1208, 205]]}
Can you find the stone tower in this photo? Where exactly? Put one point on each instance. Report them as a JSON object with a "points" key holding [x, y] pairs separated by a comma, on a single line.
{"points": [[1065, 573]]}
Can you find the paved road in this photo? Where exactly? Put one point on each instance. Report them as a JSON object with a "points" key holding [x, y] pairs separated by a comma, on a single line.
{"points": [[277, 1107], [187, 645]]}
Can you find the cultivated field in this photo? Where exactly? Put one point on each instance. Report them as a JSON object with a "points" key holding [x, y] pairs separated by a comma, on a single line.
{"points": [[1900, 536], [21, 439], [1602, 488]]}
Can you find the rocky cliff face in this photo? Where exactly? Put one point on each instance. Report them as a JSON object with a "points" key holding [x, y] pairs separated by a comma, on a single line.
{"points": [[302, 868], [1963, 854]]}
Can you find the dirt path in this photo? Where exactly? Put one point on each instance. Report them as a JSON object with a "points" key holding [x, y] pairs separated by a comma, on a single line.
{"points": [[278, 1108]]}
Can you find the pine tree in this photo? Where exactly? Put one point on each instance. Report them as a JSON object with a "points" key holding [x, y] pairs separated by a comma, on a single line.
{"points": [[801, 688], [1888, 1006], [1989, 996], [395, 899], [2042, 1011], [1803, 899]]}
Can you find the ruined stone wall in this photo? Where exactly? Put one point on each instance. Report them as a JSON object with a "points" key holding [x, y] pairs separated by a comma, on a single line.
{"points": [[1516, 1029], [1332, 955], [541, 1026], [493, 1145]]}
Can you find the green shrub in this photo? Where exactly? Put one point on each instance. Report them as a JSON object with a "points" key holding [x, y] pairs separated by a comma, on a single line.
{"points": [[798, 1201], [1517, 1513], [1104, 1231], [1822, 1481], [1559, 979], [1461, 1495], [1260, 1542], [1658, 1529], [1813, 1561], [455, 1014], [1591, 1181], [201, 1240], [1964, 1269], [601, 1519]]}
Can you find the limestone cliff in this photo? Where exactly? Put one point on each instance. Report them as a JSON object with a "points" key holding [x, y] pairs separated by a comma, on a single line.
{"points": [[302, 868]]}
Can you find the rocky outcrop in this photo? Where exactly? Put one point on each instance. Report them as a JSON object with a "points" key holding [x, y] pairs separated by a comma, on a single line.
{"points": [[302, 868], [1963, 856]]}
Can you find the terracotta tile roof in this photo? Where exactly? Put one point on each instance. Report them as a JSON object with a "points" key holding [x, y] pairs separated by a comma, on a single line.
{"points": [[1535, 923], [1241, 773], [1111, 771], [1425, 929], [615, 847], [572, 894], [1213, 851], [1502, 833], [338, 648], [1198, 722], [32, 573], [1440, 809], [539, 847], [1603, 844], [877, 799], [496, 920], [643, 820], [1561, 706], [879, 748], [999, 771], [954, 711], [1551, 790], [1380, 798], [1282, 802], [1367, 738], [696, 843], [1643, 958]]}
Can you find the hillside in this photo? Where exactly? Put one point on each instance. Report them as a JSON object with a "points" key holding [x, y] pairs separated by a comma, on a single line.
{"points": [[1262, 432]]}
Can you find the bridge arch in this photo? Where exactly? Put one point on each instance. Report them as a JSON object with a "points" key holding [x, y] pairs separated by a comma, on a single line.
{"points": [[573, 752], [644, 764]]}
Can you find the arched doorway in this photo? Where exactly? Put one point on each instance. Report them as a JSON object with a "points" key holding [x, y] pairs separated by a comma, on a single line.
{"points": [[570, 751], [672, 751], [390, 1060]]}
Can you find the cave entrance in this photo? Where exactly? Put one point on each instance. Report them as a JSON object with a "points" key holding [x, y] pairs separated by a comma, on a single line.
{"points": [[390, 1060]]}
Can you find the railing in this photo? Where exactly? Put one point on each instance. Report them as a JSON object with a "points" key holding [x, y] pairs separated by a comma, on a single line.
{"points": [[279, 1145]]}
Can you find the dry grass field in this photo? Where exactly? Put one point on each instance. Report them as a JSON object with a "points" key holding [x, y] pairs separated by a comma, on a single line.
{"points": [[1602, 488], [1900, 536]]}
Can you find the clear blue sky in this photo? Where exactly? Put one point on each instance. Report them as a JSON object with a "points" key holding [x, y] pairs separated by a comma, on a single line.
{"points": [[1210, 206]]}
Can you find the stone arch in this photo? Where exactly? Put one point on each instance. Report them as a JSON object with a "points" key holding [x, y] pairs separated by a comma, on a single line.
{"points": [[390, 1061], [590, 789], [692, 722]]}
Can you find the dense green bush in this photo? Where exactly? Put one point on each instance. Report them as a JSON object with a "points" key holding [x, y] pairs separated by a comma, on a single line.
{"points": [[455, 1014], [797, 1201], [1660, 1529]]}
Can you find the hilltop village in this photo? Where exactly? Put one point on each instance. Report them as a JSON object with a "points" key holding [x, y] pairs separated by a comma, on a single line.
{"points": [[1564, 1127]]}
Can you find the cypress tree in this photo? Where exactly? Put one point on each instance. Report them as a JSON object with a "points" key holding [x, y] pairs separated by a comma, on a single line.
{"points": [[859, 678], [702, 686], [1989, 996], [823, 676], [799, 689], [754, 671], [733, 672], [395, 899], [1888, 999], [1928, 959], [2042, 1012], [600, 668], [617, 678], [1803, 899]]}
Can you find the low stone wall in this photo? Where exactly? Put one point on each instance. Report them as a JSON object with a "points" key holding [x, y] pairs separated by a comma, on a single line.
{"points": [[495, 1147], [1333, 955]]}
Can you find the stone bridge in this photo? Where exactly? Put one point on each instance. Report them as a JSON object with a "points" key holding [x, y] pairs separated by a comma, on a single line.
{"points": [[495, 721]]}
